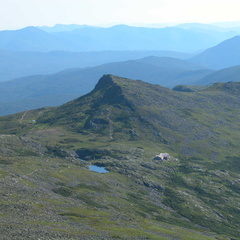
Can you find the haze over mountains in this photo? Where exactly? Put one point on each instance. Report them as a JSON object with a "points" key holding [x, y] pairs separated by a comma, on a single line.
{"points": [[70, 78], [219, 27], [225, 54], [34, 47], [19, 64], [211, 27], [231, 74], [119, 37], [52, 90]]}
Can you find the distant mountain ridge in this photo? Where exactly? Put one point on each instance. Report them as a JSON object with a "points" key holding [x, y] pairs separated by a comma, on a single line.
{"points": [[226, 54], [19, 64], [29, 39], [119, 37], [14, 64], [63, 27], [51, 90], [210, 27], [231, 74]]}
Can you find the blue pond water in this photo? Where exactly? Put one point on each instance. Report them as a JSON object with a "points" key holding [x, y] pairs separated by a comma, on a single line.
{"points": [[95, 168]]}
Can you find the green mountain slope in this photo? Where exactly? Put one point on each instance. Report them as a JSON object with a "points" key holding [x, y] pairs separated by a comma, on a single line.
{"points": [[121, 125], [153, 111]]}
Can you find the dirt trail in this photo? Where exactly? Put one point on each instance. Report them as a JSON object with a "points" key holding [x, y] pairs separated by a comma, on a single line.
{"points": [[24, 114]]}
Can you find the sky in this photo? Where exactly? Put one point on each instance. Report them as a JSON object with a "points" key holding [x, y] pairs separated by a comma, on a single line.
{"points": [[16, 14]]}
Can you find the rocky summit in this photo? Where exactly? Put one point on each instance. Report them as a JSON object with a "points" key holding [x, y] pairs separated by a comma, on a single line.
{"points": [[190, 192]]}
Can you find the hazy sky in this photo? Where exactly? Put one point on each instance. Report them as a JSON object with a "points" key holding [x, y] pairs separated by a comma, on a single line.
{"points": [[20, 13]]}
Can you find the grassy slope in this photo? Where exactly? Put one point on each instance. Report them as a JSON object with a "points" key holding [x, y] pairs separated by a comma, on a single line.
{"points": [[45, 182]]}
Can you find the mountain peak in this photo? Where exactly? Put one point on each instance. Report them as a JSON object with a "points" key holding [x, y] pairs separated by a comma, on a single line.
{"points": [[121, 109], [30, 29], [109, 90], [106, 81]]}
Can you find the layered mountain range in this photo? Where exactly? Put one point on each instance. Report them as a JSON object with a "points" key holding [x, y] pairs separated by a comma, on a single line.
{"points": [[52, 90], [15, 64], [119, 37], [79, 71]]}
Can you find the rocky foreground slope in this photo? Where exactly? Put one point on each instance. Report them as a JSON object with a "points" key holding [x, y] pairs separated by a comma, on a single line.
{"points": [[48, 191]]}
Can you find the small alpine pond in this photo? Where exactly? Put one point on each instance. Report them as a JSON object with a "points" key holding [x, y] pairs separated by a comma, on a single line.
{"points": [[97, 169]]}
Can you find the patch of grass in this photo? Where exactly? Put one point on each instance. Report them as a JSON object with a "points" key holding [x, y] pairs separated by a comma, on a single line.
{"points": [[173, 199], [56, 151], [178, 232], [64, 191], [91, 216], [35, 222], [29, 183], [6, 161], [101, 187], [142, 206], [231, 164], [88, 200], [131, 232]]}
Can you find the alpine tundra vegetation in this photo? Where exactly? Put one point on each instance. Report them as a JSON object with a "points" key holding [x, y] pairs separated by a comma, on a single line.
{"points": [[48, 191]]}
